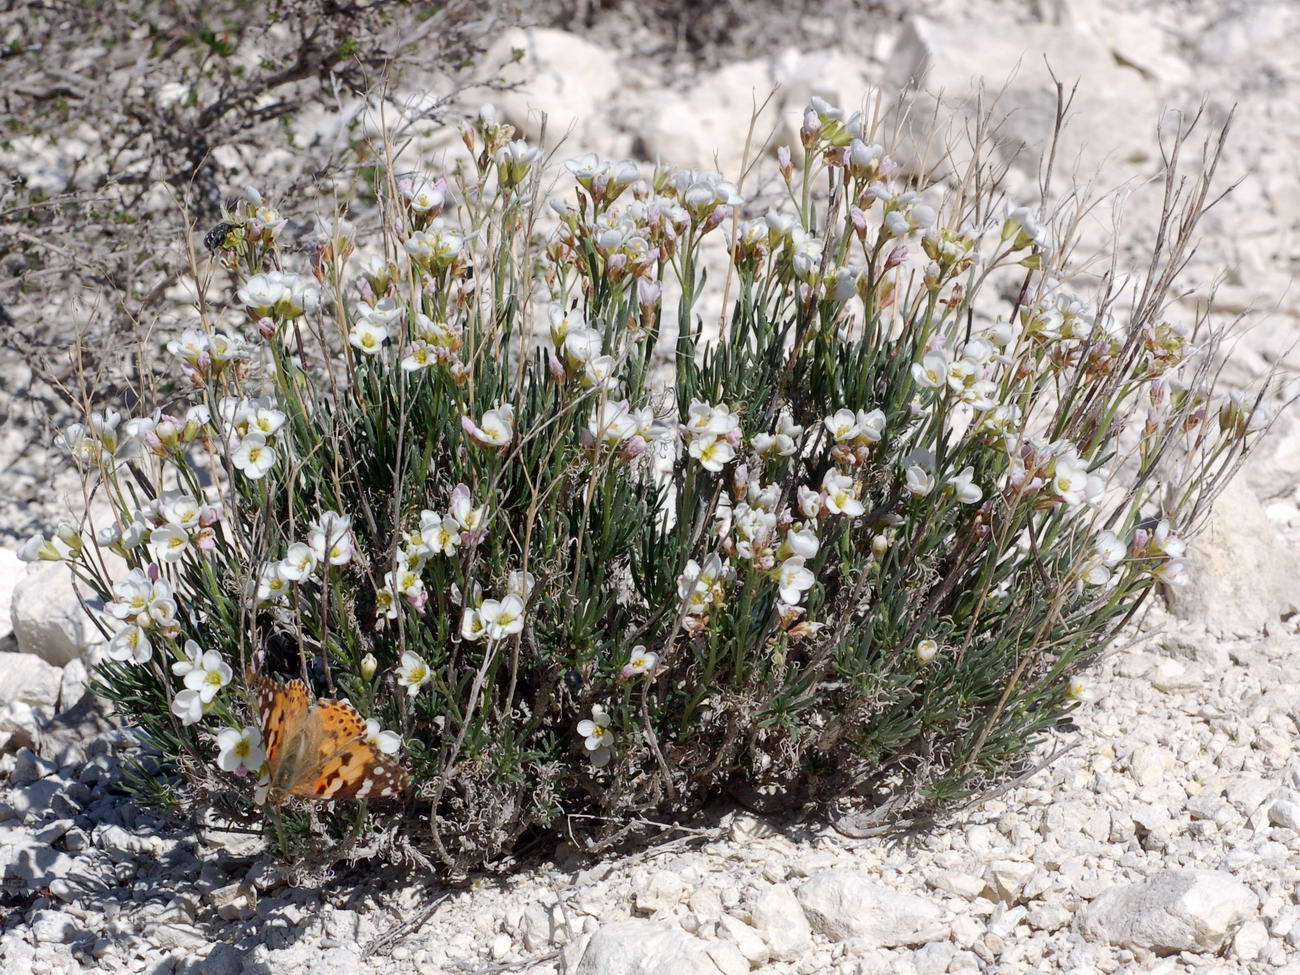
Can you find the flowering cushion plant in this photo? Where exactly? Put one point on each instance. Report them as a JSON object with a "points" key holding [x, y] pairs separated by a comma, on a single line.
{"points": [[487, 474]]}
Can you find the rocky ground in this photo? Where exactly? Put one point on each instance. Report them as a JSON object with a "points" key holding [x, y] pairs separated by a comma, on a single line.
{"points": [[1167, 839]]}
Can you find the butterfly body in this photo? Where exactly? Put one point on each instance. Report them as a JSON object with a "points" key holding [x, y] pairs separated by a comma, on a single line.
{"points": [[321, 751]]}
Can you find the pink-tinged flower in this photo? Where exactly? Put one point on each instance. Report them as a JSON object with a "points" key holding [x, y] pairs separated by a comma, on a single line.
{"points": [[495, 430]]}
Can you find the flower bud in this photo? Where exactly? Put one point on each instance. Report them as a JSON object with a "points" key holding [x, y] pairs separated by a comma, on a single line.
{"points": [[811, 129], [926, 651], [368, 666], [784, 163]]}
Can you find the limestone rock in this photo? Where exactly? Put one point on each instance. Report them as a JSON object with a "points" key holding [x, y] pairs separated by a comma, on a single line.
{"points": [[26, 863], [642, 947], [1113, 118], [843, 904], [705, 128], [1175, 910], [568, 79], [781, 921], [1241, 575], [1008, 879], [26, 677], [12, 570], [751, 945], [48, 619], [662, 891]]}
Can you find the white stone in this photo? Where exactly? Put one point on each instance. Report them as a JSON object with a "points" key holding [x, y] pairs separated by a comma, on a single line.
{"points": [[27, 678], [1285, 813], [965, 885], [12, 570], [48, 620], [748, 940], [705, 128], [561, 75], [780, 920], [1007, 879], [1149, 763], [1242, 575], [1175, 910], [729, 958], [843, 904], [661, 891], [639, 946], [1114, 115], [72, 683], [1250, 940]]}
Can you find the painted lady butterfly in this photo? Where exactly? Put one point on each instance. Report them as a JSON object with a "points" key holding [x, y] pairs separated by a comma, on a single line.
{"points": [[321, 751]]}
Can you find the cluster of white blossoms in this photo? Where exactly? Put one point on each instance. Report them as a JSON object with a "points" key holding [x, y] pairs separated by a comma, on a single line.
{"points": [[579, 350], [274, 298], [329, 542], [966, 375], [496, 619], [616, 425], [175, 522], [702, 588], [438, 534], [203, 674], [208, 356], [250, 427], [712, 434], [146, 603]]}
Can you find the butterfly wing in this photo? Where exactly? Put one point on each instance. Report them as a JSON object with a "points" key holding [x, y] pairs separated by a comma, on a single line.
{"points": [[283, 709], [348, 765]]}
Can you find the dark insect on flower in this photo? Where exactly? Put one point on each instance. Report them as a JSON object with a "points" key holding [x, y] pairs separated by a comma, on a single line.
{"points": [[217, 238]]}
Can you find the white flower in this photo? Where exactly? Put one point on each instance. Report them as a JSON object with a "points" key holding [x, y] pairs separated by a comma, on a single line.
{"points": [[793, 580], [266, 421], [133, 594], [520, 583], [502, 618], [515, 159], [188, 706], [254, 457], [801, 542], [130, 643], [712, 452], [595, 730], [843, 426], [188, 659], [299, 562], [472, 626], [462, 509], [330, 538], [932, 371], [368, 336], [613, 423], [183, 512], [871, 426], [642, 661], [413, 673], [919, 481], [272, 586], [1107, 552], [210, 674], [926, 650], [388, 742], [810, 501], [496, 429], [169, 543], [964, 486], [840, 499], [240, 751]]}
